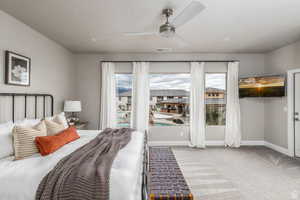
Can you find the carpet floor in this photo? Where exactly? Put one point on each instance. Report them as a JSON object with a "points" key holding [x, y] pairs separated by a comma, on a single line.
{"points": [[247, 173]]}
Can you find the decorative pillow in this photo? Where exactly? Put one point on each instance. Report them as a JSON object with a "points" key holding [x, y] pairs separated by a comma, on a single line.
{"points": [[54, 126], [60, 118], [6, 141], [24, 137], [49, 144]]}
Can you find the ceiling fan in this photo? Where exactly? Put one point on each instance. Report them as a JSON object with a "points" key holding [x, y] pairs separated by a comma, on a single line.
{"points": [[168, 29]]}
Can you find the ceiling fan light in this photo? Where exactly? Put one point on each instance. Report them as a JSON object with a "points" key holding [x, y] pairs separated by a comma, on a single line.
{"points": [[167, 30]]}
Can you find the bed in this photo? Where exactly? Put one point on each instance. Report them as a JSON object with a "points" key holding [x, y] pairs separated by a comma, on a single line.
{"points": [[20, 179]]}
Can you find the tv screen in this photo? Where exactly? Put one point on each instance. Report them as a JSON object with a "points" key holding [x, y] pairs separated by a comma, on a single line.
{"points": [[262, 86]]}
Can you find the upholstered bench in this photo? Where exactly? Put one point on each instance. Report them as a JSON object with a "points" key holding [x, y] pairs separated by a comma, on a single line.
{"points": [[165, 179]]}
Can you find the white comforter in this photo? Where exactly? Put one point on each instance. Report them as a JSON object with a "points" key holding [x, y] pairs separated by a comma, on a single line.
{"points": [[19, 180]]}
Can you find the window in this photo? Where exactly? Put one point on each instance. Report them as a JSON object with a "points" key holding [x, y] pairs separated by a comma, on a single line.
{"points": [[169, 105], [124, 94], [169, 99], [215, 98]]}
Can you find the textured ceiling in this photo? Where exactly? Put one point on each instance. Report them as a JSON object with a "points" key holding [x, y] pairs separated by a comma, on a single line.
{"points": [[224, 26]]}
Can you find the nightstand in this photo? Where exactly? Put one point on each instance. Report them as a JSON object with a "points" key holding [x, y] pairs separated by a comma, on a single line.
{"points": [[81, 125]]}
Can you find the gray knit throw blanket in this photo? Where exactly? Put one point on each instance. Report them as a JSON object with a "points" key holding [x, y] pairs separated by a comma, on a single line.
{"points": [[85, 173]]}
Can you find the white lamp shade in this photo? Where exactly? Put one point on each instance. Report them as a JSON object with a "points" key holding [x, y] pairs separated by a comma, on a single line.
{"points": [[72, 106]]}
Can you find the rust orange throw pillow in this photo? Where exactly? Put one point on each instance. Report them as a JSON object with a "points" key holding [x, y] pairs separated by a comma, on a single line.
{"points": [[49, 144]]}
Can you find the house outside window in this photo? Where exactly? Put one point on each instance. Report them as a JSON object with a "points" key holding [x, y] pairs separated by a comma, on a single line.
{"points": [[215, 99], [124, 96], [169, 99], [171, 104]]}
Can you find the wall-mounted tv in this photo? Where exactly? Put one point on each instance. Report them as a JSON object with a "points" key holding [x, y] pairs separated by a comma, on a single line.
{"points": [[262, 86]]}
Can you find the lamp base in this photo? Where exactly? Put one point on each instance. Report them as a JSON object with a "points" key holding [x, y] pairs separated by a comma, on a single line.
{"points": [[73, 119]]}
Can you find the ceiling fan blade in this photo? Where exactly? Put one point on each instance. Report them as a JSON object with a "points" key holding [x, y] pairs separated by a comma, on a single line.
{"points": [[180, 41], [188, 13], [139, 33]]}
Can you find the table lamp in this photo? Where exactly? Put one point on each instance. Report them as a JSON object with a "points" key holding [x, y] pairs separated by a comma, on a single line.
{"points": [[72, 107]]}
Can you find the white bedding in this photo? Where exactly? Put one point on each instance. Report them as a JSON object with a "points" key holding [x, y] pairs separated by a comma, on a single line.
{"points": [[19, 180]]}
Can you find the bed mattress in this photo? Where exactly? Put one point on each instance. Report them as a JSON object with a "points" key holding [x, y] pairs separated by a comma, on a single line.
{"points": [[19, 180]]}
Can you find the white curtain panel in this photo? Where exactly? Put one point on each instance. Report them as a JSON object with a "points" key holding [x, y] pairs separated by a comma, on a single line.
{"points": [[197, 105], [140, 96], [108, 112], [233, 115]]}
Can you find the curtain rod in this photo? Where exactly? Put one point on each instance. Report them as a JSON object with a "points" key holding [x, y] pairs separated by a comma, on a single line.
{"points": [[127, 61]]}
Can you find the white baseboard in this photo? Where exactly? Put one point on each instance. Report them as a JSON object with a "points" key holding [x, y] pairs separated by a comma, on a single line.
{"points": [[277, 148], [253, 143], [214, 143], [221, 143], [208, 143], [243, 143], [168, 143]]}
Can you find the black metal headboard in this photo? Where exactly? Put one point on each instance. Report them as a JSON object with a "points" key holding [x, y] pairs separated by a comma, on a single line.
{"points": [[25, 95]]}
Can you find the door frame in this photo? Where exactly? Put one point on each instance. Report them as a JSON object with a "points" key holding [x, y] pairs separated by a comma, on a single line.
{"points": [[291, 108]]}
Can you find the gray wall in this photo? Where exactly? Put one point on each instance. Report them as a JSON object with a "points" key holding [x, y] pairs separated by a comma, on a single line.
{"points": [[278, 62], [57, 71], [52, 66], [88, 91]]}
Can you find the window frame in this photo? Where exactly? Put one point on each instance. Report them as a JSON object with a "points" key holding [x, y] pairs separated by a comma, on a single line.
{"points": [[157, 73], [169, 73], [226, 74]]}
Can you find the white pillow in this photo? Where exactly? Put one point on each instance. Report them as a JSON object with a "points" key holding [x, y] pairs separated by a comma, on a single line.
{"points": [[6, 140], [27, 122], [62, 118], [32, 122], [22, 122]]}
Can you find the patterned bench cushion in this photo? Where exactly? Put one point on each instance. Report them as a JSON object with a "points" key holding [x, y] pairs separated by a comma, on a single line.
{"points": [[165, 179]]}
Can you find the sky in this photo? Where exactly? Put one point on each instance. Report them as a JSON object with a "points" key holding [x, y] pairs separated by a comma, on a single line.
{"points": [[216, 80], [173, 81]]}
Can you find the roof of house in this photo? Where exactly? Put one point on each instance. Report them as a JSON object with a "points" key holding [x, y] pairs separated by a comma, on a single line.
{"points": [[179, 101], [170, 93], [215, 90], [187, 101], [157, 93]]}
